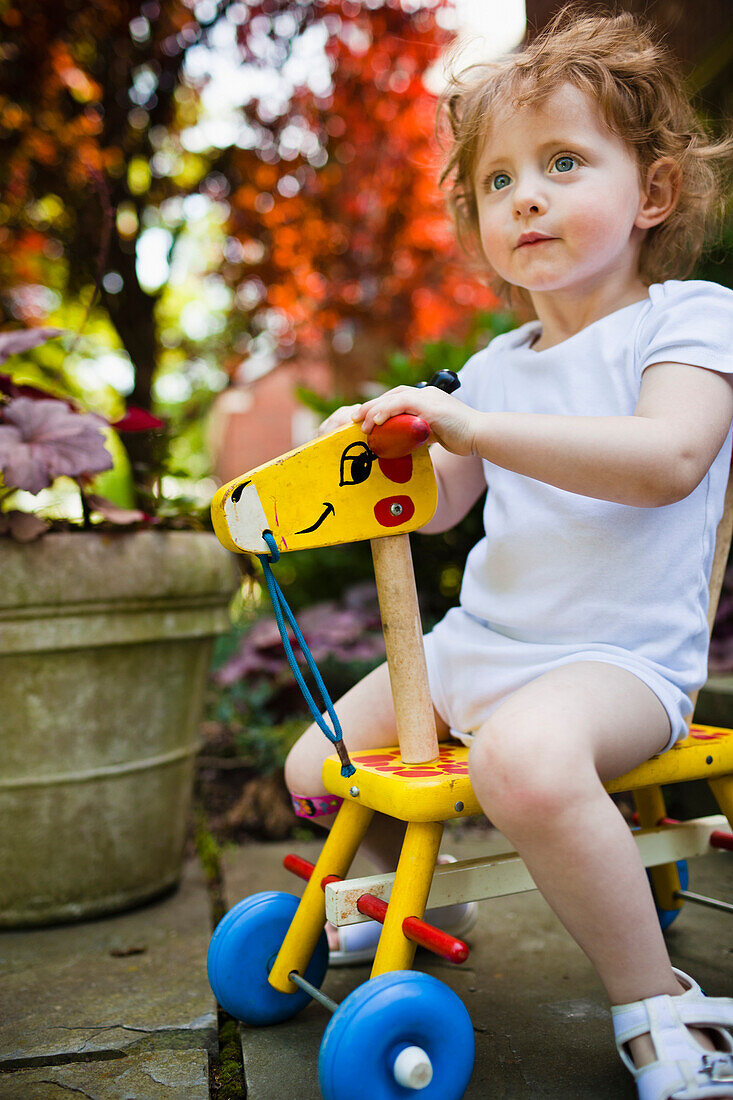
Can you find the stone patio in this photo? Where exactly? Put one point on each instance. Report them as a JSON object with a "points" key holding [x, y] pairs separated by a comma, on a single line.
{"points": [[120, 1008]]}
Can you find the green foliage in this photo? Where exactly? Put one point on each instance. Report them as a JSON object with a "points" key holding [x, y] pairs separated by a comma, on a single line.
{"points": [[228, 1068], [404, 369], [209, 852], [323, 574], [407, 370], [717, 263]]}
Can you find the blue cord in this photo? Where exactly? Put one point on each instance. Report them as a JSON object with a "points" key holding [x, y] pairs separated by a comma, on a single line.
{"points": [[281, 609]]}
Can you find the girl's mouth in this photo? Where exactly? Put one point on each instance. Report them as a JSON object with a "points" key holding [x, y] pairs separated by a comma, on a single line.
{"points": [[532, 239]]}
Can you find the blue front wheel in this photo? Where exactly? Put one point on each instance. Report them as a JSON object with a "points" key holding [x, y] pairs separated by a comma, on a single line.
{"points": [[242, 952], [382, 1018]]}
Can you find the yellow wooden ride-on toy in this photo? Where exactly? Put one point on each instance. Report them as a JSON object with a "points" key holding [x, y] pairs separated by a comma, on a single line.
{"points": [[405, 1031]]}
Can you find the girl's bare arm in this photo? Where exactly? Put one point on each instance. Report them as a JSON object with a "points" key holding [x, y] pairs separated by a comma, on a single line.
{"points": [[654, 457], [460, 483]]}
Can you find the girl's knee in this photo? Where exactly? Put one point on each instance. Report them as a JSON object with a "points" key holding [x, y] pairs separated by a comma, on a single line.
{"points": [[516, 777], [304, 765]]}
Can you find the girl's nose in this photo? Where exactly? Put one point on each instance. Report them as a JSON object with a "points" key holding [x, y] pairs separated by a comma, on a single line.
{"points": [[528, 200]]}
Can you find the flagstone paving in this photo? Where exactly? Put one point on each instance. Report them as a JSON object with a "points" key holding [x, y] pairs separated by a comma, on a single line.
{"points": [[120, 1008], [539, 1013]]}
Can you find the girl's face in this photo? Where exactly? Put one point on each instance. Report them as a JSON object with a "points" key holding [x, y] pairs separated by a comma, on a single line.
{"points": [[556, 172]]}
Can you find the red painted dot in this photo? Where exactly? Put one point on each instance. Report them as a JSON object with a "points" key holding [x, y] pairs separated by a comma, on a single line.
{"points": [[397, 469], [384, 515]]}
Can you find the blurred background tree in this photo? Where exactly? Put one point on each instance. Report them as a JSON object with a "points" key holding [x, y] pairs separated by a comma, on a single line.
{"points": [[340, 197], [309, 218], [191, 239]]}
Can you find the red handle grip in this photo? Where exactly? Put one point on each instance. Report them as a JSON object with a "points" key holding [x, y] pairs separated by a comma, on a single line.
{"points": [[398, 436]]}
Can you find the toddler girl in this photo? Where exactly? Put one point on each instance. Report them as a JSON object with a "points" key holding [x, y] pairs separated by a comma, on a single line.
{"points": [[582, 178]]}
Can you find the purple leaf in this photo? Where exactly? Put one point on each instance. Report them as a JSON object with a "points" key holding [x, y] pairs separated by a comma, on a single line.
{"points": [[43, 440], [12, 343], [22, 526], [248, 662], [362, 596], [113, 512], [265, 634], [343, 633]]}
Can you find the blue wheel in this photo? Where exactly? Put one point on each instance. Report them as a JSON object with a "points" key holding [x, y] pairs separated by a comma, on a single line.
{"points": [[242, 951], [379, 1020], [666, 916]]}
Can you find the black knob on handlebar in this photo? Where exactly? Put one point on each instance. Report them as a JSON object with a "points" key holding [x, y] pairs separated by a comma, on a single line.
{"points": [[446, 380]]}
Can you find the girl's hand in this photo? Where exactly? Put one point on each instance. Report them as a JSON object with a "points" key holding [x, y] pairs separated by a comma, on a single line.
{"points": [[342, 418], [452, 423]]}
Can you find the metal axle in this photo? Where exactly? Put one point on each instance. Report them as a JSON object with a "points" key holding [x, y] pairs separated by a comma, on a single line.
{"points": [[700, 899], [312, 991]]}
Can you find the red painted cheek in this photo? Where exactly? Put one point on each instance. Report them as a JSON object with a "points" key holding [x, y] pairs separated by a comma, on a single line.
{"points": [[384, 515]]}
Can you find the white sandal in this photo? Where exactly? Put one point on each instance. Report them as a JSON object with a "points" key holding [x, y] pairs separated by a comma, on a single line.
{"points": [[683, 1070], [358, 942]]}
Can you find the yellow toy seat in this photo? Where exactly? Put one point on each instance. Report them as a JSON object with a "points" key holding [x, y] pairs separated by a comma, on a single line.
{"points": [[441, 789]]}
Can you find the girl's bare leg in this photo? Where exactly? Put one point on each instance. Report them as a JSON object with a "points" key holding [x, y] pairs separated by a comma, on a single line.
{"points": [[367, 718], [537, 767]]}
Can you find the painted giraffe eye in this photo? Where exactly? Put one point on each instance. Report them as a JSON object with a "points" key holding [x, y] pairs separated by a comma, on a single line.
{"points": [[356, 464]]}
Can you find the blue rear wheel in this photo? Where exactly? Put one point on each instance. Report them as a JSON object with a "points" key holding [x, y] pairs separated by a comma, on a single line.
{"points": [[666, 916], [242, 952], [382, 1017]]}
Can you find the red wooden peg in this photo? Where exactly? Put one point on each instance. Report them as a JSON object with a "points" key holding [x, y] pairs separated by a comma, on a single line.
{"points": [[720, 839], [303, 868], [419, 931], [398, 436]]}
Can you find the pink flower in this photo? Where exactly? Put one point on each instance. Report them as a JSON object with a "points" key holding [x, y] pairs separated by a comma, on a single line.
{"points": [[42, 440], [137, 420]]}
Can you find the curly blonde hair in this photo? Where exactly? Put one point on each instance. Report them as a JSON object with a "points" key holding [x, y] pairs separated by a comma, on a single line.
{"points": [[638, 85]]}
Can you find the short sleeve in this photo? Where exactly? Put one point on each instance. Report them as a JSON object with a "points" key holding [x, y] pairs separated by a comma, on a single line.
{"points": [[688, 322], [481, 378], [471, 376]]}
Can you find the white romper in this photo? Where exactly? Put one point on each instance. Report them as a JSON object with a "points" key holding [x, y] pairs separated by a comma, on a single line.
{"points": [[560, 577]]}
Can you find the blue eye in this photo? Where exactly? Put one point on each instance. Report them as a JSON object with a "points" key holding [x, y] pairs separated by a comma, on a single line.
{"points": [[564, 164], [499, 181]]}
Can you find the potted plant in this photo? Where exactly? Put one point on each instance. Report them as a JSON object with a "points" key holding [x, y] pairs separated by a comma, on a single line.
{"points": [[106, 629]]}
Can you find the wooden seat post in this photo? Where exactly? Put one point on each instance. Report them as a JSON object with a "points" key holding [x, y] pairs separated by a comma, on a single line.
{"points": [[408, 674]]}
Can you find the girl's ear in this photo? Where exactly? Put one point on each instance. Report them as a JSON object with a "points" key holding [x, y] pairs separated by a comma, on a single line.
{"points": [[661, 193]]}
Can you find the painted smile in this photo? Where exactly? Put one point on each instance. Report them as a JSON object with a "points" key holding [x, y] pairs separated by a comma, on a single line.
{"points": [[327, 511]]}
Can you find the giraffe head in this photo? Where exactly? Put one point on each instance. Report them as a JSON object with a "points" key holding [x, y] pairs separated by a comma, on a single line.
{"points": [[335, 489]]}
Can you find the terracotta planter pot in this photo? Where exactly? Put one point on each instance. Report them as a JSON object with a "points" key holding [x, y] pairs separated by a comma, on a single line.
{"points": [[105, 643]]}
